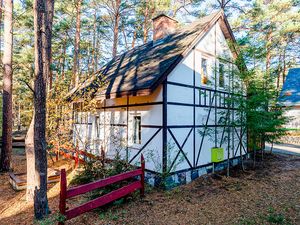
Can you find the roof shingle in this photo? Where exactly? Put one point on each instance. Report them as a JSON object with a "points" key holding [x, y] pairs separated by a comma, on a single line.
{"points": [[142, 67], [290, 92]]}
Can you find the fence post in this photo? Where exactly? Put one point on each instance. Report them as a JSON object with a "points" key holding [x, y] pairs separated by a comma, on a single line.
{"points": [[76, 158], [142, 191], [63, 193]]}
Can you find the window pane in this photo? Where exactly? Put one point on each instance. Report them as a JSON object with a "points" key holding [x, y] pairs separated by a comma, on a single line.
{"points": [[221, 75], [97, 123], [137, 130], [204, 75]]}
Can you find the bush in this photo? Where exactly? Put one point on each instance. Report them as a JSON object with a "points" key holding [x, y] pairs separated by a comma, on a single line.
{"points": [[95, 170]]}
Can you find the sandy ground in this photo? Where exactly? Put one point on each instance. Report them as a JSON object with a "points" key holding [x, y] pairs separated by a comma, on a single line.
{"points": [[270, 194]]}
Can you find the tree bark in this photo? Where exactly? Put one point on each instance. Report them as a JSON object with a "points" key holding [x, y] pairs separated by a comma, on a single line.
{"points": [[94, 41], [48, 38], [30, 158], [5, 161], [133, 39], [268, 52], [64, 58], [77, 45], [116, 27], [43, 14], [145, 25]]}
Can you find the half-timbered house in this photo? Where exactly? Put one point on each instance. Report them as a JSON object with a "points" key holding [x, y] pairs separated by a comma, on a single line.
{"points": [[162, 99]]}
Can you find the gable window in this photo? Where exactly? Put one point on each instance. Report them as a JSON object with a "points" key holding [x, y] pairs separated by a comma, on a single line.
{"points": [[204, 74], [136, 130], [221, 75], [97, 127]]}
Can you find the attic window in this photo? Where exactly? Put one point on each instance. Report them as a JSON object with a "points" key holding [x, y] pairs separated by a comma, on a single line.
{"points": [[221, 75], [97, 126], [204, 74]]}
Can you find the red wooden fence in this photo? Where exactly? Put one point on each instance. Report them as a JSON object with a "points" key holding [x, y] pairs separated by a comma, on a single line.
{"points": [[103, 200], [77, 155]]}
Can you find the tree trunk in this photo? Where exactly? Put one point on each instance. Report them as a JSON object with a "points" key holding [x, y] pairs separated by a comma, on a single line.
{"points": [[5, 161], [94, 41], [48, 38], [268, 52], [284, 65], [133, 39], [97, 50], [64, 58], [43, 14], [116, 28], [30, 158], [77, 45], [145, 25]]}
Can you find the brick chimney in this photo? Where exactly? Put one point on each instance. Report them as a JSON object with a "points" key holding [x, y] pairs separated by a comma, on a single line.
{"points": [[163, 25]]}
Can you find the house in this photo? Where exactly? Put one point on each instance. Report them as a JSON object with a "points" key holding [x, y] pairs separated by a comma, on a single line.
{"points": [[162, 99], [290, 97]]}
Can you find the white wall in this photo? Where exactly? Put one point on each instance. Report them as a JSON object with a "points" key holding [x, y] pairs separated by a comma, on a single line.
{"points": [[183, 115], [113, 129], [294, 116]]}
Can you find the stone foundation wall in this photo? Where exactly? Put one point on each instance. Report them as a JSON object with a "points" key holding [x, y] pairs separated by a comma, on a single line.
{"points": [[184, 177]]}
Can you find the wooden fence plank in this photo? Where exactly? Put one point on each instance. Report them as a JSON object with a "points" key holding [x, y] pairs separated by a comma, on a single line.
{"points": [[103, 200], [102, 183]]}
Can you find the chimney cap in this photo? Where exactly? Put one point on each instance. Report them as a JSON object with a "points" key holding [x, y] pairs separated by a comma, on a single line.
{"points": [[163, 15]]}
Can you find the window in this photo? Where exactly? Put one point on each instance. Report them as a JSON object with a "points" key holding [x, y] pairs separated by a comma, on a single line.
{"points": [[221, 75], [136, 130], [204, 75], [97, 126]]}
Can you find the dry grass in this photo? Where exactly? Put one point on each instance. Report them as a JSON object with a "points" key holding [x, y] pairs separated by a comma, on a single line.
{"points": [[268, 195]]}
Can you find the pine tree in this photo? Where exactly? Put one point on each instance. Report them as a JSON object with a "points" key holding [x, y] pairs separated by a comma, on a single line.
{"points": [[7, 123]]}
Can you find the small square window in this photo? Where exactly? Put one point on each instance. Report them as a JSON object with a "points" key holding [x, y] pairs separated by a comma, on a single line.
{"points": [[221, 75], [204, 74], [136, 130]]}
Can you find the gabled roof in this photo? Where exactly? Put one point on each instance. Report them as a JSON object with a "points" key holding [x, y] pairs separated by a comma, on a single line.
{"points": [[290, 93], [140, 70]]}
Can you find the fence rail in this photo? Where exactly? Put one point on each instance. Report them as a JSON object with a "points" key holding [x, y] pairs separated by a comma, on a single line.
{"points": [[105, 199]]}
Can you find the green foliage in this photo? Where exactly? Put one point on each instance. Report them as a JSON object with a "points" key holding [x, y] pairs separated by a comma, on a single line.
{"points": [[51, 219], [154, 156], [96, 170]]}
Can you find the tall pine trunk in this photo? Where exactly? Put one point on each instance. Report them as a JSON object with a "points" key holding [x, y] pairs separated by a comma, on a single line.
{"points": [[43, 14], [64, 52], [94, 41], [145, 25], [5, 161], [116, 27], [47, 40], [77, 45]]}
